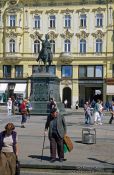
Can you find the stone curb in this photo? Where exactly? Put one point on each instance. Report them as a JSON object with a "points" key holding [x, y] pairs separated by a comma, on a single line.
{"points": [[72, 168]]}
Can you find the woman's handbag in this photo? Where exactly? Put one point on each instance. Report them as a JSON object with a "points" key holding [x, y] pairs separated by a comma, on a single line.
{"points": [[68, 142], [17, 167]]}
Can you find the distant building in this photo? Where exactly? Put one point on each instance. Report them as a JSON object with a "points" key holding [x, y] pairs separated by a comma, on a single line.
{"points": [[81, 35]]}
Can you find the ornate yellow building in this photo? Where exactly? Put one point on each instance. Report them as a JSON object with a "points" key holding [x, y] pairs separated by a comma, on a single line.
{"points": [[81, 35]]}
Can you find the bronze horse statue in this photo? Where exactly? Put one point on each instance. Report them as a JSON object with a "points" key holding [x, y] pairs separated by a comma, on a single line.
{"points": [[45, 53]]}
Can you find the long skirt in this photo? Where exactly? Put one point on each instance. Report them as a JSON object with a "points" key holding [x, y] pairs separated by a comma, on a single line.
{"points": [[7, 163]]}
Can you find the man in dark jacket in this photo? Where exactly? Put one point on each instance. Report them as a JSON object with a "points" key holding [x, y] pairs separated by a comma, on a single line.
{"points": [[57, 129]]}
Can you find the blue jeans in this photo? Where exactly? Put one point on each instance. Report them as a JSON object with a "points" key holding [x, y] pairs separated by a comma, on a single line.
{"points": [[87, 119]]}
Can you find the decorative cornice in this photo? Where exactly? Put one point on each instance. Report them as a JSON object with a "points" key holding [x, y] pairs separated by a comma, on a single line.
{"points": [[67, 11], [99, 10], [14, 10], [36, 12], [35, 35], [83, 10], [13, 2], [82, 34], [13, 34], [52, 11], [65, 58], [98, 34], [67, 34], [52, 35], [66, 82]]}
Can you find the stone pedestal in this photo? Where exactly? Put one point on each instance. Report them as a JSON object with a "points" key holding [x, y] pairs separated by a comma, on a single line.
{"points": [[43, 87]]}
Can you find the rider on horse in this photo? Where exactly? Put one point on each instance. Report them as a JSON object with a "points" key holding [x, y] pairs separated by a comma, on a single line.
{"points": [[45, 54]]}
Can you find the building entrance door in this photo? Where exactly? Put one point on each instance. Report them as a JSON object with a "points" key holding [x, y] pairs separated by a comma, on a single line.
{"points": [[67, 95]]}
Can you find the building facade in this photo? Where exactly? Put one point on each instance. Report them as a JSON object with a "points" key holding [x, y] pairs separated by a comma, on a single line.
{"points": [[82, 40]]}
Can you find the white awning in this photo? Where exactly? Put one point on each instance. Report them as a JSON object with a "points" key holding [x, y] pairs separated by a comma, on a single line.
{"points": [[3, 87], [20, 88], [110, 90]]}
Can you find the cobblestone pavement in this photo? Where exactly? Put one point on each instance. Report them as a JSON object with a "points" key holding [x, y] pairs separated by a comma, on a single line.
{"points": [[99, 156]]}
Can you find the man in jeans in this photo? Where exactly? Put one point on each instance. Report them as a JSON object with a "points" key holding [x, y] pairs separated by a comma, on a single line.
{"points": [[87, 111]]}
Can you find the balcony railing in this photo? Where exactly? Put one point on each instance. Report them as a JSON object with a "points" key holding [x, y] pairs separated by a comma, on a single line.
{"points": [[66, 57]]}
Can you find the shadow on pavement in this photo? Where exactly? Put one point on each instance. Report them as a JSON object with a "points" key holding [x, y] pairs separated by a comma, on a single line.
{"points": [[39, 157], [101, 161], [78, 141]]}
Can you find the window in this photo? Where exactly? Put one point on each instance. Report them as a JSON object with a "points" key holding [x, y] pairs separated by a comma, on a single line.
{"points": [[7, 71], [67, 21], [52, 21], [12, 46], [83, 20], [52, 70], [82, 46], [36, 46], [98, 71], [12, 20], [52, 42], [37, 21], [67, 71], [99, 20], [19, 71], [67, 46], [82, 71], [91, 71], [113, 70], [99, 46]]}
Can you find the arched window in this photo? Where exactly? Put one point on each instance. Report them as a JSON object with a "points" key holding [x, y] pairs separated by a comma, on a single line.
{"points": [[99, 45], [12, 45], [52, 42], [82, 46], [67, 46], [36, 46]]}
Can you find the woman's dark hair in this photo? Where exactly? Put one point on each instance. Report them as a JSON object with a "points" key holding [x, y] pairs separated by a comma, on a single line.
{"points": [[9, 126]]}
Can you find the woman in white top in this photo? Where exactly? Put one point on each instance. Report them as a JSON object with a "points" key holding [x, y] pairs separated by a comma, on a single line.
{"points": [[8, 150]]}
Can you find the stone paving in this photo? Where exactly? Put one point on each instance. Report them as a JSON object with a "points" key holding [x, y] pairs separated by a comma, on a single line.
{"points": [[84, 156]]}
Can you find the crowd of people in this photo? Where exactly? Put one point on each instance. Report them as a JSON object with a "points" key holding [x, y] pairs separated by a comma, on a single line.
{"points": [[55, 126], [23, 107], [94, 112]]}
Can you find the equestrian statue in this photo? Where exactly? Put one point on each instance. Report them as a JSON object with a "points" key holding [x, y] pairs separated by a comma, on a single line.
{"points": [[45, 53]]}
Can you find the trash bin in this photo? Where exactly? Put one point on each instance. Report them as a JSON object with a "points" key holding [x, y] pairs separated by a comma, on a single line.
{"points": [[88, 135]]}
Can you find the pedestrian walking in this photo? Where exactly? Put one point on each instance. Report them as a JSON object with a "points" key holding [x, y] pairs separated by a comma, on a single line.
{"points": [[101, 109], [57, 130], [65, 103], [97, 117], [87, 111], [23, 110], [8, 150], [52, 104], [112, 113], [9, 107], [77, 104], [29, 107]]}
